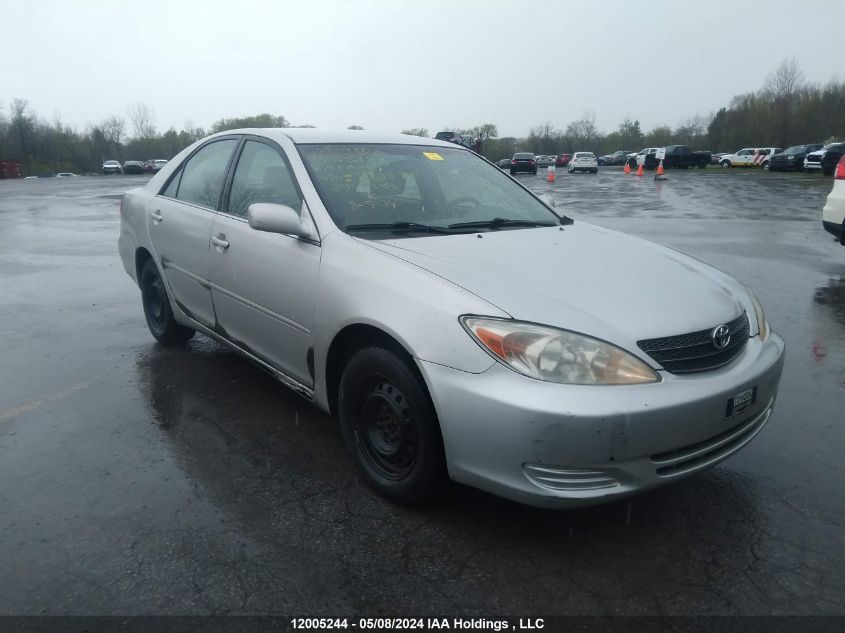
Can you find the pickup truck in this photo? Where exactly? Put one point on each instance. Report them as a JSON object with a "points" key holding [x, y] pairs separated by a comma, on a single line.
{"points": [[678, 156]]}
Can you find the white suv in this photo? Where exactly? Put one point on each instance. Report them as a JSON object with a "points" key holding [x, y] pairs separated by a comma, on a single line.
{"points": [[833, 215], [750, 157]]}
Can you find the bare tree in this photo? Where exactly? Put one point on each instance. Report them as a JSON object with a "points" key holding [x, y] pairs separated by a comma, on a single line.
{"points": [[22, 126], [416, 131], [355, 127], [584, 130], [143, 120], [783, 87], [114, 129]]}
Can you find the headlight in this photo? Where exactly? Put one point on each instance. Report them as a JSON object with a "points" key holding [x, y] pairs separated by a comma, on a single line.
{"points": [[556, 355], [762, 326]]}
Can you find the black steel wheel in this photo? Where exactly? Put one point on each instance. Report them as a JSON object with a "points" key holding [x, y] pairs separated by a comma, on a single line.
{"points": [[390, 426], [157, 310]]}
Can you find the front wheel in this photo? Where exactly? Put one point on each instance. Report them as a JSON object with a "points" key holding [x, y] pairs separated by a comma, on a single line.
{"points": [[157, 310], [726, 164], [390, 426], [766, 166]]}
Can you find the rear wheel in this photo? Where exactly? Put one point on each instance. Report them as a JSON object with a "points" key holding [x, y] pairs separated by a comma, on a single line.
{"points": [[766, 166], [157, 310], [389, 425]]}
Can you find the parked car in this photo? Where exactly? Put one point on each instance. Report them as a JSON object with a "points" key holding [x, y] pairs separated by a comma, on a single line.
{"points": [[112, 167], [790, 159], [523, 162], [583, 161], [426, 300], [504, 163], [714, 158], [749, 157], [833, 215], [617, 158], [450, 137], [158, 163], [639, 158], [562, 160], [66, 174], [677, 157], [545, 161], [133, 167], [600, 160], [468, 141], [825, 159]]}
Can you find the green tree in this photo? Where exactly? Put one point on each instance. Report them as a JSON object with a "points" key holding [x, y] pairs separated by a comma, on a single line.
{"points": [[258, 120]]}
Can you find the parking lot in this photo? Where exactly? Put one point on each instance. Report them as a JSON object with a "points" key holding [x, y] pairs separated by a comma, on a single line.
{"points": [[136, 479]]}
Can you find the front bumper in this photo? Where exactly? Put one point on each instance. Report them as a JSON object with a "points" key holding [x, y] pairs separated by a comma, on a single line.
{"points": [[559, 446]]}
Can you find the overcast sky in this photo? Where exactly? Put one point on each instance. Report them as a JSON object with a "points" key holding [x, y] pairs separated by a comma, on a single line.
{"points": [[399, 64]]}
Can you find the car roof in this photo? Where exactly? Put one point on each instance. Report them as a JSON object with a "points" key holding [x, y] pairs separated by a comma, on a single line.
{"points": [[317, 135]]}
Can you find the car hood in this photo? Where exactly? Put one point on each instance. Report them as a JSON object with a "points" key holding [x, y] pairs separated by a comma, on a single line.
{"points": [[584, 278]]}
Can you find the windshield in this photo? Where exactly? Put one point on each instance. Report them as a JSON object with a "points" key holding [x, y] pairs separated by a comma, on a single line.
{"points": [[432, 186], [795, 149]]}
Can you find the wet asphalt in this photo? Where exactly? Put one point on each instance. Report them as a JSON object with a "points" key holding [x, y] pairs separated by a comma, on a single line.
{"points": [[136, 479]]}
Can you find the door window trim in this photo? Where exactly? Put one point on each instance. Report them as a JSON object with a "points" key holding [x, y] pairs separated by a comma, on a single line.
{"points": [[226, 172], [223, 205]]}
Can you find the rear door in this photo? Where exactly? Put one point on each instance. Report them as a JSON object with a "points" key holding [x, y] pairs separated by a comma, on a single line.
{"points": [[180, 220], [263, 283]]}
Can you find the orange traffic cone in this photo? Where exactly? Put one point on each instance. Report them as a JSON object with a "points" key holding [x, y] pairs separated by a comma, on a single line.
{"points": [[640, 170], [550, 174], [627, 169], [660, 168]]}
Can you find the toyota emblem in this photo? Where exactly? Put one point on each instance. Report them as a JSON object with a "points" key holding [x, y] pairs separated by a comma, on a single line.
{"points": [[721, 337]]}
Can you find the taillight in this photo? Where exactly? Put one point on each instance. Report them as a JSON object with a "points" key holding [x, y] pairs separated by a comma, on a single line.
{"points": [[531, 161], [513, 162], [840, 169]]}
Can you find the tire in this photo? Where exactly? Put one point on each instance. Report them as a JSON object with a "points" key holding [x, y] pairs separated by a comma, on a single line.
{"points": [[766, 166], [157, 310], [534, 172], [726, 164], [595, 171], [512, 172], [390, 427]]}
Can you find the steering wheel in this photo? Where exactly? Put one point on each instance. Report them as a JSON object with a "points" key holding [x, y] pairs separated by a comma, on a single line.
{"points": [[463, 200]]}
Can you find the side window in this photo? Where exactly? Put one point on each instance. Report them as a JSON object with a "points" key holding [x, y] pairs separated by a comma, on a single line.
{"points": [[170, 191], [203, 174], [261, 176]]}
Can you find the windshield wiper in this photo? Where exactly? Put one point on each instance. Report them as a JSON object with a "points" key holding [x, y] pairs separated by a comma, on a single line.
{"points": [[495, 223], [400, 226]]}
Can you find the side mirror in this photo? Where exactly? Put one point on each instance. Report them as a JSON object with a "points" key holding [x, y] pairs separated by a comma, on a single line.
{"points": [[275, 218], [548, 200]]}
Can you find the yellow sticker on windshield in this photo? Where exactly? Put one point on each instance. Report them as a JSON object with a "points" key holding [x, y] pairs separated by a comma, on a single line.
{"points": [[433, 156]]}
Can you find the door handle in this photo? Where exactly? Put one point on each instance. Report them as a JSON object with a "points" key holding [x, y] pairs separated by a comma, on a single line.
{"points": [[218, 240], [156, 216]]}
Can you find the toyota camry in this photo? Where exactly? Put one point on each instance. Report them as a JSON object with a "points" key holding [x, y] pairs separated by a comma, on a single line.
{"points": [[455, 324]]}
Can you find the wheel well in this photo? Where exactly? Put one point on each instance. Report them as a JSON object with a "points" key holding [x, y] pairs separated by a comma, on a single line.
{"points": [[348, 341], [141, 257]]}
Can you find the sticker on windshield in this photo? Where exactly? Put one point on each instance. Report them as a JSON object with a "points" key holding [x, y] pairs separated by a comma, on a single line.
{"points": [[433, 156]]}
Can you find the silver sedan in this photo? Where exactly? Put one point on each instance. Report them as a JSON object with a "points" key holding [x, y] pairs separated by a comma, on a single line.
{"points": [[454, 323]]}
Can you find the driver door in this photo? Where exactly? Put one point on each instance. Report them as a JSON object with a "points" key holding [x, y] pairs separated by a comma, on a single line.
{"points": [[263, 283]]}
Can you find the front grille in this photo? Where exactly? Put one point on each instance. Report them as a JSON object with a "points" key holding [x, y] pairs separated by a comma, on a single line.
{"points": [[814, 159], [687, 353]]}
